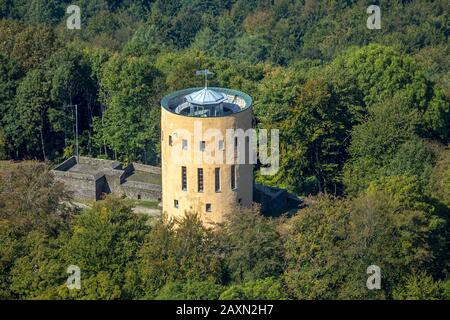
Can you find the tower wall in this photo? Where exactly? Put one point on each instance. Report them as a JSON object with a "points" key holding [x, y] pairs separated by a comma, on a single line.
{"points": [[227, 199]]}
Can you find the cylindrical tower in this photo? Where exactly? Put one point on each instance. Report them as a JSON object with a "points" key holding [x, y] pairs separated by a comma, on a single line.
{"points": [[202, 130]]}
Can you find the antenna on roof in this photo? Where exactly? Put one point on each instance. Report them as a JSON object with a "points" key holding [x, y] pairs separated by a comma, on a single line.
{"points": [[204, 72]]}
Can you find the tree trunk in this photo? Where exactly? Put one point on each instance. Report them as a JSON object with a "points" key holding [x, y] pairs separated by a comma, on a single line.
{"points": [[42, 141], [104, 141]]}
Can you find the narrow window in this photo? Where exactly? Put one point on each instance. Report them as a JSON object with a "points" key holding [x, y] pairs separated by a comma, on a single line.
{"points": [[175, 203], [247, 150], [217, 179], [183, 179], [233, 177], [202, 145], [170, 140], [221, 145], [184, 144], [208, 207], [200, 179]]}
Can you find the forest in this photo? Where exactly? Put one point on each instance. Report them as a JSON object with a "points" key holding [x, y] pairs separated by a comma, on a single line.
{"points": [[364, 120]]}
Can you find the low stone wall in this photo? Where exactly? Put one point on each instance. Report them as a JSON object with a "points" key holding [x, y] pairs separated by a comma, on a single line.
{"points": [[101, 186], [147, 168], [114, 180], [82, 186], [126, 172], [101, 163], [274, 201], [66, 165], [107, 176], [142, 190]]}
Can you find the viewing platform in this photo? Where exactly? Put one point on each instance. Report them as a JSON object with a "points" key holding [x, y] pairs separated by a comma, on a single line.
{"points": [[206, 102]]}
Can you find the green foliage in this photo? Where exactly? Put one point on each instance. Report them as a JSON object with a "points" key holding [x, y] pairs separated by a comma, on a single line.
{"points": [[276, 94], [414, 157], [39, 269], [41, 208], [173, 256], [99, 286], [332, 243], [130, 123], [387, 144], [253, 246], [313, 251], [389, 125], [380, 72], [191, 290], [238, 40], [446, 288], [323, 253], [315, 120], [9, 78], [419, 286], [31, 220], [439, 184], [143, 42], [403, 189], [41, 121], [362, 113], [32, 103], [28, 46], [262, 289], [104, 240], [2, 146]]}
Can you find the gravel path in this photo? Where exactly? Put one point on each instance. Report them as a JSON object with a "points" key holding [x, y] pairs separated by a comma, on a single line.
{"points": [[148, 211]]}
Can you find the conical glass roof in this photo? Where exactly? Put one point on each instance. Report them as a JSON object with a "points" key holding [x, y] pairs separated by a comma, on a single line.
{"points": [[206, 97]]}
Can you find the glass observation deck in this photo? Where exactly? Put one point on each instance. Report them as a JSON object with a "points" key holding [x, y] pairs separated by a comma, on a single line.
{"points": [[206, 102]]}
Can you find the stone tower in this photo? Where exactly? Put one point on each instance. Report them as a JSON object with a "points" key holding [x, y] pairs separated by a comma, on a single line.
{"points": [[201, 145]]}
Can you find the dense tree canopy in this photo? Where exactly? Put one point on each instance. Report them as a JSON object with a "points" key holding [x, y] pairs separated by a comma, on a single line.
{"points": [[364, 120]]}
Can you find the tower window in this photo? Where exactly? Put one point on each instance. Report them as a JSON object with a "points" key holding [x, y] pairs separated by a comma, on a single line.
{"points": [[170, 140], [183, 179], [247, 150], [175, 203], [221, 145], [217, 179], [200, 179], [233, 177], [184, 144], [202, 145], [208, 207]]}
